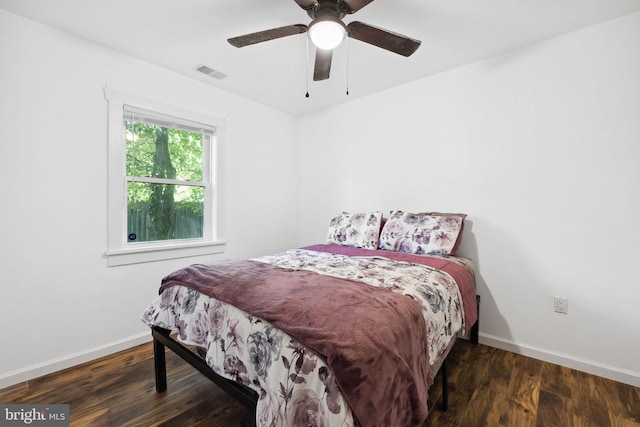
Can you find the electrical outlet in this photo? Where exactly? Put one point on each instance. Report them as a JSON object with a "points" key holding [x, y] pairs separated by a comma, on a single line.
{"points": [[561, 304]]}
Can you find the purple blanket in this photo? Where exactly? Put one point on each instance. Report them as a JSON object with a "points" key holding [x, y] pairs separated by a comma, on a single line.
{"points": [[373, 339]]}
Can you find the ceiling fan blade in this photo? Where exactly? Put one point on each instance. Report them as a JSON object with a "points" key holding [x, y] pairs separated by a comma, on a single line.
{"points": [[355, 5], [385, 39], [322, 68], [306, 4], [266, 35]]}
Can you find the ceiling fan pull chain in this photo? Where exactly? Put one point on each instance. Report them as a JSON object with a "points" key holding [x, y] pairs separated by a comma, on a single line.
{"points": [[307, 64], [346, 46]]}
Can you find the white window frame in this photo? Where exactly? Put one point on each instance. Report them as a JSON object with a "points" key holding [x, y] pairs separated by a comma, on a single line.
{"points": [[119, 250]]}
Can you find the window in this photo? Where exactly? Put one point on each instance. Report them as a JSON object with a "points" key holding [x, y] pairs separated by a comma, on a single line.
{"points": [[167, 167], [163, 197]]}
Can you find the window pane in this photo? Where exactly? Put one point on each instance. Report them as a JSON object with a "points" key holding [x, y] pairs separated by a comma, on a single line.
{"points": [[161, 152], [164, 212]]}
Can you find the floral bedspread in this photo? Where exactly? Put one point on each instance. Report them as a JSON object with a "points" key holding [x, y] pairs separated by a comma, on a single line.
{"points": [[295, 386]]}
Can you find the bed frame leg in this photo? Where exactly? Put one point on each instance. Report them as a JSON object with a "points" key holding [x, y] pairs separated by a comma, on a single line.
{"points": [[475, 329], [162, 339], [445, 386], [160, 365]]}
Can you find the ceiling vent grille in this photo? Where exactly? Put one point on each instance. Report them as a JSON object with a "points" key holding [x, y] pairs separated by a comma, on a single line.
{"points": [[211, 72]]}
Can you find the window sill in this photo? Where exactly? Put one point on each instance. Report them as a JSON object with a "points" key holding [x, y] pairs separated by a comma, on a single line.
{"points": [[137, 255]]}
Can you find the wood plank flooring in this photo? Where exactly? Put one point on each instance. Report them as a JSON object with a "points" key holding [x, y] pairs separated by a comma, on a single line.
{"points": [[488, 387]]}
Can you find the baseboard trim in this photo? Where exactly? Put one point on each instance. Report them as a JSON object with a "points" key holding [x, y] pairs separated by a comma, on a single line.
{"points": [[68, 361], [590, 367]]}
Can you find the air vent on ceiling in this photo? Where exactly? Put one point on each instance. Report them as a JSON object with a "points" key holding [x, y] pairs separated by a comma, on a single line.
{"points": [[211, 72]]}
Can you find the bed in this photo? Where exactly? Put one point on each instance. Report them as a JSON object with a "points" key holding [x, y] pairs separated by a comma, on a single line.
{"points": [[345, 333]]}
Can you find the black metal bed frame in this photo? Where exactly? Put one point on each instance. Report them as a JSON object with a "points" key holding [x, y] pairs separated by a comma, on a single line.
{"points": [[245, 395]]}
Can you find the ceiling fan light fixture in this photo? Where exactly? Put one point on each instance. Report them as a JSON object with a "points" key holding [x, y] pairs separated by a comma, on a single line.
{"points": [[327, 32]]}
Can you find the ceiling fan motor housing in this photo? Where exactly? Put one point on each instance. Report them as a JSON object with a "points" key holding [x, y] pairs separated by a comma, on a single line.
{"points": [[327, 8]]}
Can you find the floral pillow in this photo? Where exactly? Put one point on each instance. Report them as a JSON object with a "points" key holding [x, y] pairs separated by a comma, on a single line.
{"points": [[423, 233], [359, 229]]}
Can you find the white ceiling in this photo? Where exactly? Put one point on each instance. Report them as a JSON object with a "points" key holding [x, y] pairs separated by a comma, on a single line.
{"points": [[181, 35]]}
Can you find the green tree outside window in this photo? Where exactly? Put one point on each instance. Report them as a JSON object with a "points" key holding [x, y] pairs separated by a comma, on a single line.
{"points": [[165, 196]]}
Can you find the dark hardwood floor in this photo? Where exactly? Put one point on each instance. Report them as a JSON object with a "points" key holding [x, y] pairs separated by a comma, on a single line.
{"points": [[488, 387]]}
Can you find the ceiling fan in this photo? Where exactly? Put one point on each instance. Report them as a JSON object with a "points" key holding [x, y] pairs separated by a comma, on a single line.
{"points": [[327, 31]]}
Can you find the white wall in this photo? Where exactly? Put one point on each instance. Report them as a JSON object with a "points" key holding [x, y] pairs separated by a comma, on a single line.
{"points": [[60, 304], [541, 147]]}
